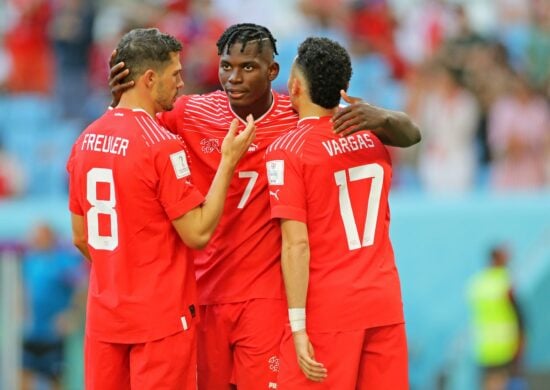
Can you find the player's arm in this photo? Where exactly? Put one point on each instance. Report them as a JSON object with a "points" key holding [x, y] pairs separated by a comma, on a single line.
{"points": [[295, 266], [197, 225], [80, 240], [393, 128]]}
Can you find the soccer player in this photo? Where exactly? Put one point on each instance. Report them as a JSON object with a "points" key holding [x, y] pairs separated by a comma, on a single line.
{"points": [[133, 206], [240, 289], [330, 195]]}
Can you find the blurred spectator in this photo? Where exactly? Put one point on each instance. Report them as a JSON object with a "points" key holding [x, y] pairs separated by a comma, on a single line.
{"points": [[513, 18], [497, 322], [448, 117], [28, 46], [487, 74], [372, 23], [12, 175], [423, 29], [519, 133], [198, 26], [71, 34], [538, 47], [51, 275], [455, 51]]}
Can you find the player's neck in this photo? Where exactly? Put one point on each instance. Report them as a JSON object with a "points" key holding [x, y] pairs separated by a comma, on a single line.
{"points": [[257, 109], [134, 100], [309, 109]]}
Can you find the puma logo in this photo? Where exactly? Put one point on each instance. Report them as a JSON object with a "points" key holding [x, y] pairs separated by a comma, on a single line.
{"points": [[275, 194]]}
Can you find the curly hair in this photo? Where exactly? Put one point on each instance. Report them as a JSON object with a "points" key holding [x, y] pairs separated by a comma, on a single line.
{"points": [[326, 66], [245, 33], [145, 48]]}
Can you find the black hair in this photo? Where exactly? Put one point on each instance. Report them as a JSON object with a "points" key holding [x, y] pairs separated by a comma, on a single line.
{"points": [[145, 48], [245, 33], [326, 65]]}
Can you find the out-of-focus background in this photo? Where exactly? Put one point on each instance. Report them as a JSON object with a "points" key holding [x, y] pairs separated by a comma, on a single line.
{"points": [[474, 75]]}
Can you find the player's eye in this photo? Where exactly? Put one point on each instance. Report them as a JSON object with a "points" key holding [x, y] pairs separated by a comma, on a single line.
{"points": [[226, 67], [248, 68]]}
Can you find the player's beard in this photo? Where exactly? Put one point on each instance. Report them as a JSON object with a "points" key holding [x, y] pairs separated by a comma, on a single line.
{"points": [[165, 99]]}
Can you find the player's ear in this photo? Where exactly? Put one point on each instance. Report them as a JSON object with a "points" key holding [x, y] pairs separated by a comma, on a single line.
{"points": [[149, 77], [273, 70], [295, 86]]}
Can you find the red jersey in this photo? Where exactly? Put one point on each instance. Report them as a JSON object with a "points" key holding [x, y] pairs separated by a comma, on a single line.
{"points": [[129, 178], [339, 187], [242, 260]]}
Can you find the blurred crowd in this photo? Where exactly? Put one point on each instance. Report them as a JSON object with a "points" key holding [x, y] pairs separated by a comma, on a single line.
{"points": [[475, 76]]}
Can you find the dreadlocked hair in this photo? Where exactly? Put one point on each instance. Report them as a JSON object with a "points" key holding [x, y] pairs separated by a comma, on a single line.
{"points": [[245, 33]]}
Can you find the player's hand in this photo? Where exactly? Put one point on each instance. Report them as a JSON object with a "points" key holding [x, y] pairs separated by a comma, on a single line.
{"points": [[235, 144], [116, 75], [359, 115], [312, 369]]}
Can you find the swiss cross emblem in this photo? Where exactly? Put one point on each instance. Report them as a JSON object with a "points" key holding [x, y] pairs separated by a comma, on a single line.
{"points": [[209, 145]]}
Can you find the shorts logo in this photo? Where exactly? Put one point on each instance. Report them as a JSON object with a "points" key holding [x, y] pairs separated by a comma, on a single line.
{"points": [[209, 145], [274, 363]]}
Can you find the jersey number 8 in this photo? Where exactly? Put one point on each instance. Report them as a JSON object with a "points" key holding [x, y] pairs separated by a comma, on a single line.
{"points": [[100, 206]]}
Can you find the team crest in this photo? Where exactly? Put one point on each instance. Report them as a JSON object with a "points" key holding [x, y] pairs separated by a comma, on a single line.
{"points": [[209, 145]]}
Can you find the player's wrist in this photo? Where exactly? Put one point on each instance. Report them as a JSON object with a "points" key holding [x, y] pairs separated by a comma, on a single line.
{"points": [[227, 165], [297, 319]]}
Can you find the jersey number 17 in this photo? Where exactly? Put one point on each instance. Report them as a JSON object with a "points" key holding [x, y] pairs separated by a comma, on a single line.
{"points": [[376, 172]]}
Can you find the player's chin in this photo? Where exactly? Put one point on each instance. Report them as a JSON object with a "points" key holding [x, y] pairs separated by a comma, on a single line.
{"points": [[168, 106], [239, 102]]}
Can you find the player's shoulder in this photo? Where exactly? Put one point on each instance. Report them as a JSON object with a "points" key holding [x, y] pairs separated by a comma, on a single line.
{"points": [[287, 143], [155, 135], [304, 138]]}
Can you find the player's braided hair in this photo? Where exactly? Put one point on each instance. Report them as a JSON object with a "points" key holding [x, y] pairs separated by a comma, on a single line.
{"points": [[326, 66], [245, 33]]}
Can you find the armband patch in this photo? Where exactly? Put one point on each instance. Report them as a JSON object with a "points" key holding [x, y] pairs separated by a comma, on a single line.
{"points": [[276, 172], [179, 162]]}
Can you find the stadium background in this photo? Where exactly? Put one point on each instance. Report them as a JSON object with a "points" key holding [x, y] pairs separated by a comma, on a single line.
{"points": [[53, 72]]}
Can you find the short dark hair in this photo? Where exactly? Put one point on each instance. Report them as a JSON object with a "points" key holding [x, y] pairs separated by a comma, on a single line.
{"points": [[145, 48], [326, 66], [245, 33]]}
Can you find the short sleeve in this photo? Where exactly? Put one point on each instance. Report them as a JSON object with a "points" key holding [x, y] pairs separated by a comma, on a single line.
{"points": [[176, 191], [287, 195]]}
